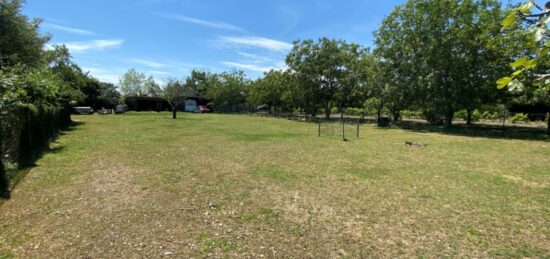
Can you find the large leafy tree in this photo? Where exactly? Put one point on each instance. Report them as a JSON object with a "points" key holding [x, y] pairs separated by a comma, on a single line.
{"points": [[20, 40], [270, 89], [443, 50], [228, 91], [202, 81], [174, 92], [325, 70], [132, 83]]}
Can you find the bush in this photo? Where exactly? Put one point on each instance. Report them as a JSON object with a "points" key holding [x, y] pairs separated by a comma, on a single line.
{"points": [[354, 111], [433, 117], [488, 115], [519, 117], [463, 114], [411, 114], [383, 122]]}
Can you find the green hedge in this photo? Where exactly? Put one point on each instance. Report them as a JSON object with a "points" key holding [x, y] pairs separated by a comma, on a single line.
{"points": [[24, 134]]}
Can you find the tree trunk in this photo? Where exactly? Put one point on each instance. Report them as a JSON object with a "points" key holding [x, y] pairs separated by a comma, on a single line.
{"points": [[396, 115], [327, 111], [174, 113], [548, 127], [4, 184], [449, 119], [378, 114], [469, 117]]}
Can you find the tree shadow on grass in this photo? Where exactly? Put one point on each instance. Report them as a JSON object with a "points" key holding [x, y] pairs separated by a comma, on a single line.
{"points": [[480, 131], [9, 178]]}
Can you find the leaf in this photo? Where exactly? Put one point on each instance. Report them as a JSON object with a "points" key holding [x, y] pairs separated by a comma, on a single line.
{"points": [[515, 86], [531, 64], [539, 33], [519, 62], [526, 8], [503, 82], [518, 72], [509, 20]]}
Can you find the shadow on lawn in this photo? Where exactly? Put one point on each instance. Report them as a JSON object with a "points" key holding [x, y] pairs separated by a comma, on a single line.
{"points": [[481, 131], [10, 179]]}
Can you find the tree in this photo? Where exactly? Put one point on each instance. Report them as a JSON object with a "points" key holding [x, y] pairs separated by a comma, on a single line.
{"points": [[109, 97], [132, 83], [151, 87], [20, 39], [228, 91], [174, 93], [325, 70], [269, 90], [442, 51], [202, 81]]}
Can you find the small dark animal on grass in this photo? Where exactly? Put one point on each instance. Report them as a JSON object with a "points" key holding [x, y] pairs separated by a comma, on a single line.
{"points": [[414, 145]]}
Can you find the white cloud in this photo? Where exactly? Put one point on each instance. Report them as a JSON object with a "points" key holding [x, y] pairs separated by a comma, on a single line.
{"points": [[94, 45], [148, 63], [67, 29], [211, 24], [255, 58], [103, 75], [258, 42], [251, 67]]}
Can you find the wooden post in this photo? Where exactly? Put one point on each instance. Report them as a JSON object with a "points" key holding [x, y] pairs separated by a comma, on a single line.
{"points": [[343, 129], [358, 123], [319, 129]]}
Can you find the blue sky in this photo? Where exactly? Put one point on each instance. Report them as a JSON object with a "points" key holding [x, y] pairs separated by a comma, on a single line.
{"points": [[169, 38]]}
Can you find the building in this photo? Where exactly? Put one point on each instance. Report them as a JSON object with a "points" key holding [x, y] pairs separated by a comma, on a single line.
{"points": [[191, 104], [143, 103]]}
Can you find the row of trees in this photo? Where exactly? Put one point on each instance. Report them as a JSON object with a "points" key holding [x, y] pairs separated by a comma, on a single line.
{"points": [[38, 87], [434, 57]]}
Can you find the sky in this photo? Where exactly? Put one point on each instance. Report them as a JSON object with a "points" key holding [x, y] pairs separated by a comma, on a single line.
{"points": [[169, 38]]}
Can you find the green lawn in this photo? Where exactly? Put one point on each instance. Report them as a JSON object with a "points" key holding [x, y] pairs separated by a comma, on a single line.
{"points": [[144, 185]]}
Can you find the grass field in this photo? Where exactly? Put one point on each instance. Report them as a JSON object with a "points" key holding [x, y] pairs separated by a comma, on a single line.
{"points": [[144, 185]]}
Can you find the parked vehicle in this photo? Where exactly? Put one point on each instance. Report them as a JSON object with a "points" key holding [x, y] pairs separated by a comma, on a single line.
{"points": [[83, 110], [203, 109], [121, 108]]}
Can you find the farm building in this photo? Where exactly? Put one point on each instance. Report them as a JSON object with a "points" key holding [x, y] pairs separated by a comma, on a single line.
{"points": [[190, 104], [141, 104]]}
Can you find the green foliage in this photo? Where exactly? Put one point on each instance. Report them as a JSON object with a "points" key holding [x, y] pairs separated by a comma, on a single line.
{"points": [[330, 72], [519, 117], [134, 83], [20, 39], [271, 89], [533, 67], [354, 111], [448, 74], [463, 114], [228, 91], [411, 114]]}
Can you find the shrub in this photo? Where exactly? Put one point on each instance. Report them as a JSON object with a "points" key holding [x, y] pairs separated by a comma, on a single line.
{"points": [[463, 114], [354, 111], [411, 114], [433, 118], [519, 117], [488, 115]]}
